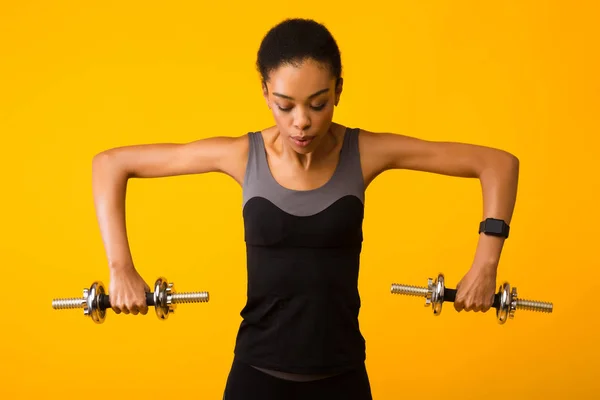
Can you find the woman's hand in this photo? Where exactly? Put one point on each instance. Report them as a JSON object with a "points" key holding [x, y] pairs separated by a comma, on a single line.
{"points": [[476, 290], [127, 291]]}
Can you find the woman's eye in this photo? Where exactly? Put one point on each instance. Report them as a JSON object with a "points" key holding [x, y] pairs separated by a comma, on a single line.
{"points": [[316, 108]]}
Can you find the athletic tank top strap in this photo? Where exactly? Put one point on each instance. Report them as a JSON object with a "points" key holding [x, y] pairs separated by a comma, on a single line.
{"points": [[347, 179]]}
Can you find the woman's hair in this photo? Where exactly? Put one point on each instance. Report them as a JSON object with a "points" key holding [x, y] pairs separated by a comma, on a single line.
{"points": [[295, 40]]}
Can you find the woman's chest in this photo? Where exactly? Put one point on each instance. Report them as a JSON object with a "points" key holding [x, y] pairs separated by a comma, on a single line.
{"points": [[337, 225]]}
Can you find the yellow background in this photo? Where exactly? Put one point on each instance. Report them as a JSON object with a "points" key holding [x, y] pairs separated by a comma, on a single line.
{"points": [[80, 77]]}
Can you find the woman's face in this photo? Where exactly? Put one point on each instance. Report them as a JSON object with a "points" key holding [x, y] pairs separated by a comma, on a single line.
{"points": [[302, 100]]}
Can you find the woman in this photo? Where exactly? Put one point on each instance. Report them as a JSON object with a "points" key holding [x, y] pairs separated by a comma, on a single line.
{"points": [[303, 182]]}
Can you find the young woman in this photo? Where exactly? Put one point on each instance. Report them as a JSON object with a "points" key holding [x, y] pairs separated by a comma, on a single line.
{"points": [[303, 182]]}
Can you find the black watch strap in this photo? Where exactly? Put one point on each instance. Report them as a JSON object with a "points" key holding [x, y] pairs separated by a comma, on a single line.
{"points": [[494, 227]]}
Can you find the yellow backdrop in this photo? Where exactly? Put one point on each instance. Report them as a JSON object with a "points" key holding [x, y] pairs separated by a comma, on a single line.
{"points": [[77, 78]]}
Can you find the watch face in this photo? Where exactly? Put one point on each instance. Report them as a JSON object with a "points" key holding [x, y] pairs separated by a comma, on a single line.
{"points": [[494, 225]]}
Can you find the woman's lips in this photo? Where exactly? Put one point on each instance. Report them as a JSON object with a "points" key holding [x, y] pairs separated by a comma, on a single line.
{"points": [[302, 141]]}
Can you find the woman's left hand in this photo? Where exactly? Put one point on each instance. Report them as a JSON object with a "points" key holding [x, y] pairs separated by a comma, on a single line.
{"points": [[476, 290]]}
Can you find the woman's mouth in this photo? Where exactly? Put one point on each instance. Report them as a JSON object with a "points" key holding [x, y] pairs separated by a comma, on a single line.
{"points": [[302, 141]]}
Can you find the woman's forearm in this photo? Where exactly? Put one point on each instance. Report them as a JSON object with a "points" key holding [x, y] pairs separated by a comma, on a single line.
{"points": [[109, 184], [499, 181]]}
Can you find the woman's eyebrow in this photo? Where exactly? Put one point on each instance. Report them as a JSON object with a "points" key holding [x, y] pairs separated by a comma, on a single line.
{"points": [[310, 97]]}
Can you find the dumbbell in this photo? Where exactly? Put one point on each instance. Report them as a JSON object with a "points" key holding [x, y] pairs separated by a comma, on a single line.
{"points": [[95, 300], [506, 301]]}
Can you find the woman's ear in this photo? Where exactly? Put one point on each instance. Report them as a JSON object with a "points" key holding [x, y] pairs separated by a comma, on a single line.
{"points": [[338, 90], [265, 92]]}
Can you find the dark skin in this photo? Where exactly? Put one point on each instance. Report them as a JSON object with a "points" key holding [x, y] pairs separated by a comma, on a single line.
{"points": [[299, 115]]}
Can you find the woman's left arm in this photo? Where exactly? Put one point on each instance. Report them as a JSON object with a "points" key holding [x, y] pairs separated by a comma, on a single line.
{"points": [[497, 171]]}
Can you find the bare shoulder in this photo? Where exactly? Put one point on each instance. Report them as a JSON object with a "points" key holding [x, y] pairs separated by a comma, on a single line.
{"points": [[232, 154], [373, 142], [375, 149]]}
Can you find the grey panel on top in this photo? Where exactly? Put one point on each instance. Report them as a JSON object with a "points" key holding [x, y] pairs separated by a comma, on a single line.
{"points": [[346, 180]]}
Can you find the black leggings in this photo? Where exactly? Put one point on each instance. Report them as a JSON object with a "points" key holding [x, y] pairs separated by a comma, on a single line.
{"points": [[247, 383]]}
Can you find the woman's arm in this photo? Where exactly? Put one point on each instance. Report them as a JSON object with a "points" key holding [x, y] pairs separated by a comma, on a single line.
{"points": [[497, 171], [111, 170]]}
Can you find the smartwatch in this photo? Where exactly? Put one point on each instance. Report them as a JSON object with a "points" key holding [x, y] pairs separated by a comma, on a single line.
{"points": [[494, 227]]}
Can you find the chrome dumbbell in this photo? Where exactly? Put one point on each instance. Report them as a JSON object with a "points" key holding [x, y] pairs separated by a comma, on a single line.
{"points": [[506, 301], [95, 300]]}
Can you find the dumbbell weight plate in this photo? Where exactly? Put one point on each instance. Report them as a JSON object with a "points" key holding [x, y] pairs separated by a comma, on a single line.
{"points": [[162, 298], [94, 304]]}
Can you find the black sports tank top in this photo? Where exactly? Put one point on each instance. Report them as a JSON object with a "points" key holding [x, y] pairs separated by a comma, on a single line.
{"points": [[303, 250]]}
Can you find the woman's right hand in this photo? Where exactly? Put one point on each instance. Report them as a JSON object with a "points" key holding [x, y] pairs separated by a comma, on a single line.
{"points": [[127, 292]]}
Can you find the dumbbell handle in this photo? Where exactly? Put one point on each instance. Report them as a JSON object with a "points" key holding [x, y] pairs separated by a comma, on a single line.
{"points": [[450, 295], [104, 300]]}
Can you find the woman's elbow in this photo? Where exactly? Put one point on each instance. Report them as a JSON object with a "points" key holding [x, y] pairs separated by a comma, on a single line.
{"points": [[508, 165], [103, 159], [108, 160], [512, 162], [499, 162]]}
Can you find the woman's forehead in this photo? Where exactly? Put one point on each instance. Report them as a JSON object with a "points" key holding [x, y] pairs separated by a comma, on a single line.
{"points": [[300, 81]]}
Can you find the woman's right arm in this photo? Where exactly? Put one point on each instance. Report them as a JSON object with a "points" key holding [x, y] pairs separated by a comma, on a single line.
{"points": [[111, 170]]}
